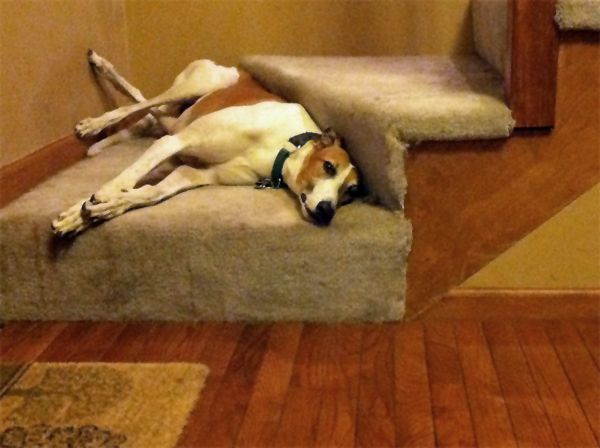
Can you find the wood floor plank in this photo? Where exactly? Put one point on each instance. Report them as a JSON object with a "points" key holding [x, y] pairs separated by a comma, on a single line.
{"points": [[223, 339], [590, 332], [24, 341], [488, 408], [149, 342], [339, 394], [346, 385], [11, 334], [82, 341], [195, 338], [580, 369], [228, 410], [451, 413], [299, 421], [376, 415], [414, 416], [568, 421], [528, 414], [272, 382]]}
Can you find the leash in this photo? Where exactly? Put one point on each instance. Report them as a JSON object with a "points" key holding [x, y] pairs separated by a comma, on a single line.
{"points": [[276, 179]]}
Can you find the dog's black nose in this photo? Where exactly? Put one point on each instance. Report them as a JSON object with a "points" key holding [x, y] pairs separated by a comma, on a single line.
{"points": [[324, 212]]}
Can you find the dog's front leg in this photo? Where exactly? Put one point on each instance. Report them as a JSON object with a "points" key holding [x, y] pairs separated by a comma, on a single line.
{"points": [[77, 218], [181, 179], [160, 151]]}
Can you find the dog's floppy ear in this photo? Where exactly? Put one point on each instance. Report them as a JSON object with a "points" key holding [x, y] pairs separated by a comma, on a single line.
{"points": [[328, 138], [353, 192], [357, 190]]}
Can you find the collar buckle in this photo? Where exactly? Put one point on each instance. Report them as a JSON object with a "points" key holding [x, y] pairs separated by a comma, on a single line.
{"points": [[264, 183]]}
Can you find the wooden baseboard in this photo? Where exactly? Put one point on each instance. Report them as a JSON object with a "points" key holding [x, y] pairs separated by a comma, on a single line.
{"points": [[512, 304], [24, 174]]}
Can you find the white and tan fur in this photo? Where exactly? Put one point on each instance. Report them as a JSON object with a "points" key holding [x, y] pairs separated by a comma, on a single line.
{"points": [[230, 136]]}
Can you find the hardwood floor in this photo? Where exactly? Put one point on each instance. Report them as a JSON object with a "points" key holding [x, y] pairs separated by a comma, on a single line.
{"points": [[435, 382]]}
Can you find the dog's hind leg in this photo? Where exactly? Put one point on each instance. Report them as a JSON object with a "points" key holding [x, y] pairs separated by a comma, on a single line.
{"points": [[123, 135], [198, 79], [106, 70]]}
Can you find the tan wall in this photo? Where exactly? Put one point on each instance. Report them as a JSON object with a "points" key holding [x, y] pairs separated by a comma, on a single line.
{"points": [[45, 85], [563, 253], [164, 35]]}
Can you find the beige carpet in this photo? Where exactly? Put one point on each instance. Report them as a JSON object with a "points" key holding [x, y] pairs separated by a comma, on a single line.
{"points": [[578, 14], [96, 404], [215, 253]]}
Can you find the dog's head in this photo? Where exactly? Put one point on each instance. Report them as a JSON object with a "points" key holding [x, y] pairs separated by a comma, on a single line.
{"points": [[324, 178]]}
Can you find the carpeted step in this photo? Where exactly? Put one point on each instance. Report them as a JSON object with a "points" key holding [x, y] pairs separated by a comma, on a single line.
{"points": [[578, 14], [490, 25], [215, 253], [382, 104]]}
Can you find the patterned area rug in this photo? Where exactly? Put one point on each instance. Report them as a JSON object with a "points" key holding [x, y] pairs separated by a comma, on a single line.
{"points": [[96, 404]]}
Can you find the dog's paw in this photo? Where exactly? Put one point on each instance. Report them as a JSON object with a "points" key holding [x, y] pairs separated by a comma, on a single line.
{"points": [[95, 149], [93, 58], [70, 222], [98, 63], [89, 127], [94, 210]]}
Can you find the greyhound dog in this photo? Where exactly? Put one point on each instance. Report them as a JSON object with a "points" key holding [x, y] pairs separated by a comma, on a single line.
{"points": [[233, 132]]}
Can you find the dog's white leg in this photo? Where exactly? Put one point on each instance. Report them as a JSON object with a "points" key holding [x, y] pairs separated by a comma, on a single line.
{"points": [[122, 136], [74, 220], [160, 151], [103, 68], [92, 126], [106, 70], [85, 214], [181, 179], [198, 79]]}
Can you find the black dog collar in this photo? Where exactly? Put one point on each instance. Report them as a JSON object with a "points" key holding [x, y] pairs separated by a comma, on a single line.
{"points": [[276, 179]]}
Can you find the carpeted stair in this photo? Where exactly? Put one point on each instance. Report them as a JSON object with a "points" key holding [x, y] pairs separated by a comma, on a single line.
{"points": [[233, 253], [215, 253], [578, 14]]}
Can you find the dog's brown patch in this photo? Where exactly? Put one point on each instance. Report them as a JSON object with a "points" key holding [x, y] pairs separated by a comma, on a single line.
{"points": [[245, 92]]}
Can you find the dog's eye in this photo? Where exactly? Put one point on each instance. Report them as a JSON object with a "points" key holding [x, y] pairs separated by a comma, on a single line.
{"points": [[329, 168]]}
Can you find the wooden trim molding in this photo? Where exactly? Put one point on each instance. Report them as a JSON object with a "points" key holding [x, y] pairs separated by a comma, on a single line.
{"points": [[24, 174], [511, 304], [532, 62]]}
